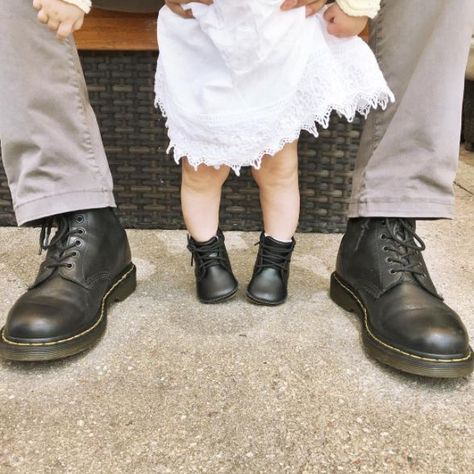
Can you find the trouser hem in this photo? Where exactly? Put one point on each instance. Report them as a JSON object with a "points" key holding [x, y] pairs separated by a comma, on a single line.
{"points": [[411, 209], [31, 211]]}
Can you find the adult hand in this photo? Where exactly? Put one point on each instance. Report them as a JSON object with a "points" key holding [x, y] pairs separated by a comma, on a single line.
{"points": [[177, 6], [312, 6]]}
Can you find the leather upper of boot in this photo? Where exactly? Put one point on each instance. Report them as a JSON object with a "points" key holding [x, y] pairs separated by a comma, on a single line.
{"points": [[214, 277], [382, 260], [271, 272], [88, 251]]}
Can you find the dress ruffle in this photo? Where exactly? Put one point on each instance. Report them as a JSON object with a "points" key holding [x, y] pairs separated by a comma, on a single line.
{"points": [[342, 77]]}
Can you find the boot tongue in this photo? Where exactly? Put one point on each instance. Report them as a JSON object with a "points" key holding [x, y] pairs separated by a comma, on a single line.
{"points": [[209, 252], [277, 243], [275, 252], [401, 232], [209, 243], [53, 246], [403, 229], [59, 240], [405, 232]]}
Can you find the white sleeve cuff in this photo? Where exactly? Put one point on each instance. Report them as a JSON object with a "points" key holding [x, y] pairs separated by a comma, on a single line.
{"points": [[84, 5], [368, 8]]}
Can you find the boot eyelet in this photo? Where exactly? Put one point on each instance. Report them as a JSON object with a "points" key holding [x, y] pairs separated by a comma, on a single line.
{"points": [[389, 260], [385, 248], [78, 243], [81, 231], [80, 218], [392, 271], [70, 266], [383, 237]]}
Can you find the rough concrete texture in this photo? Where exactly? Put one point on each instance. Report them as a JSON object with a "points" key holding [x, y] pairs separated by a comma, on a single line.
{"points": [[176, 386]]}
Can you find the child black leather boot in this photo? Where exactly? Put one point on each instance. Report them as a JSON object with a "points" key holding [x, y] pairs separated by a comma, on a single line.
{"points": [[215, 281], [269, 284]]}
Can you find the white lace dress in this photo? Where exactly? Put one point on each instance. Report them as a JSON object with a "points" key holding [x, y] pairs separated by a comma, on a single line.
{"points": [[243, 79]]}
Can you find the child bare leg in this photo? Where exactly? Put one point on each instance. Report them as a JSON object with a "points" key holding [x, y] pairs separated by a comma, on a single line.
{"points": [[201, 191], [277, 179], [201, 198]]}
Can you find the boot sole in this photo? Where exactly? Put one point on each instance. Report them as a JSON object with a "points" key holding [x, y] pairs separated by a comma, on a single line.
{"points": [[348, 299], [258, 302], [120, 290], [222, 299]]}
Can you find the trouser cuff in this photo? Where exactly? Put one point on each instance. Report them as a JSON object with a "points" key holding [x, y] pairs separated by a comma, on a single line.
{"points": [[410, 209], [31, 211]]}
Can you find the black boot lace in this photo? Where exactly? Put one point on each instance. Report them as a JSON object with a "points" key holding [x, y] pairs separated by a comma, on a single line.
{"points": [[207, 256], [405, 244], [271, 256], [58, 242]]}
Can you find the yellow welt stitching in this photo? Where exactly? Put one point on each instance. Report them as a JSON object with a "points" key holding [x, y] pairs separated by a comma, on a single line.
{"points": [[366, 323], [102, 313]]}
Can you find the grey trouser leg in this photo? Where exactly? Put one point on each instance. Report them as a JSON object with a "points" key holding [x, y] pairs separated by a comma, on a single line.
{"points": [[408, 156], [51, 146]]}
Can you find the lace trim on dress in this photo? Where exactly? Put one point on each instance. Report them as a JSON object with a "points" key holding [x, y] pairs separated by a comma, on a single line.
{"points": [[347, 87]]}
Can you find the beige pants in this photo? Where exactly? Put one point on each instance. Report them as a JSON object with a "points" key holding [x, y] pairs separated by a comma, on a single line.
{"points": [[408, 157], [55, 161]]}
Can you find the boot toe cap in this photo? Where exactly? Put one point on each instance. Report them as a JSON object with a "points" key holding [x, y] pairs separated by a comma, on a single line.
{"points": [[446, 342], [31, 322], [267, 287], [217, 285], [439, 334]]}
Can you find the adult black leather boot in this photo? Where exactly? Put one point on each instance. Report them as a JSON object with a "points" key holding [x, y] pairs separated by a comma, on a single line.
{"points": [[269, 283], [381, 276], [87, 266], [215, 281]]}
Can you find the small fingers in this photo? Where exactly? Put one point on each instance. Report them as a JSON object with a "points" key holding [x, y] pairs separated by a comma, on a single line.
{"points": [[53, 25], [330, 14], [289, 4], [43, 17], [314, 8], [335, 30], [37, 4], [64, 30], [78, 25], [179, 10]]}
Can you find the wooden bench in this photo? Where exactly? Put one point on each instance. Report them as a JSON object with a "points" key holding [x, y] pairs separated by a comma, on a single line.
{"points": [[107, 30]]}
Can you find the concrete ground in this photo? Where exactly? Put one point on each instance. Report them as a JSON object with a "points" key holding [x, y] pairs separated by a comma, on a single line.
{"points": [[176, 386]]}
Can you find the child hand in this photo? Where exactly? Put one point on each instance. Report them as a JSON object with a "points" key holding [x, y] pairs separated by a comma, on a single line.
{"points": [[61, 17], [342, 25]]}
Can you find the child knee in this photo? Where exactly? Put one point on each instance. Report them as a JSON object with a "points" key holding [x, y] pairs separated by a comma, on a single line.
{"points": [[204, 178], [276, 172]]}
